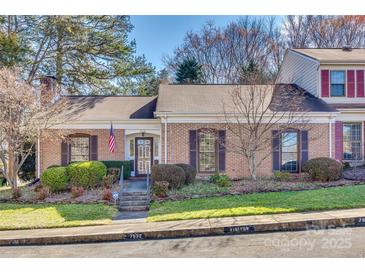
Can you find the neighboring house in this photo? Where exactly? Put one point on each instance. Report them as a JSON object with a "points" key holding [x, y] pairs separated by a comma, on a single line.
{"points": [[328, 84]]}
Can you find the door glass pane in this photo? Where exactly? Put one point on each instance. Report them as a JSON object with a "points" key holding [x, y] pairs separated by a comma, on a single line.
{"points": [[131, 148]]}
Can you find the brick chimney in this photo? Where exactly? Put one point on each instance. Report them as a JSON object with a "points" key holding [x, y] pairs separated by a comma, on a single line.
{"points": [[48, 89]]}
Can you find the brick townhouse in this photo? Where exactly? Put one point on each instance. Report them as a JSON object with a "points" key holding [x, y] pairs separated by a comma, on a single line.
{"points": [[170, 127]]}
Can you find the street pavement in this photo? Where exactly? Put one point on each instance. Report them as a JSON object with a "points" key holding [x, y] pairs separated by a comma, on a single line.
{"points": [[340, 242]]}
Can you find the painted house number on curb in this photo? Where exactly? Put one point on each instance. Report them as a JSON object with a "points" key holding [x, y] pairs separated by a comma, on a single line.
{"points": [[239, 229], [134, 236], [360, 221]]}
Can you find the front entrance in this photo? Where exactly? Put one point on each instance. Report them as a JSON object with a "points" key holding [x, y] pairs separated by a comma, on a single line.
{"points": [[143, 152]]}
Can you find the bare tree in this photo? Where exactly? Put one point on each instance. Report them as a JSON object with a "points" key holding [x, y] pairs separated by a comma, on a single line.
{"points": [[222, 52], [303, 31], [296, 30], [23, 117], [253, 112]]}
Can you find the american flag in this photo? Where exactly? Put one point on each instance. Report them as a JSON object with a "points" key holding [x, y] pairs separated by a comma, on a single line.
{"points": [[111, 139]]}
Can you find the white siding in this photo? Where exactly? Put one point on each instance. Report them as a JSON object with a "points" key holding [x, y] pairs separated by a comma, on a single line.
{"points": [[301, 70]]}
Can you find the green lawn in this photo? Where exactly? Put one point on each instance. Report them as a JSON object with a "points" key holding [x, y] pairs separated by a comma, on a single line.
{"points": [[260, 203], [23, 216]]}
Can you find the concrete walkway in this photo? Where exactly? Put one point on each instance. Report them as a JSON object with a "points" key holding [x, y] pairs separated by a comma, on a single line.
{"points": [[139, 229]]}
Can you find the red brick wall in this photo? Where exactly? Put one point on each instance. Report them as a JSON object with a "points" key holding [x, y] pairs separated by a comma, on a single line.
{"points": [[236, 165], [50, 150]]}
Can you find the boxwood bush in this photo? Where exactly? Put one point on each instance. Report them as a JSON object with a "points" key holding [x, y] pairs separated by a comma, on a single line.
{"points": [[172, 174], [86, 174], [118, 164], [323, 169], [190, 173], [55, 178]]}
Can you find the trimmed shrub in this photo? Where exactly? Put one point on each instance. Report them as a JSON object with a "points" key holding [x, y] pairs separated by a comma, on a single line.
{"points": [[107, 194], [108, 181], [55, 178], [86, 174], [172, 174], [160, 189], [221, 180], [77, 191], [281, 176], [323, 169], [118, 164], [190, 173], [51, 166]]}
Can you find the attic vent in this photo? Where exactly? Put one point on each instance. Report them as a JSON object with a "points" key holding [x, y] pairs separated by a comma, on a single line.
{"points": [[346, 48]]}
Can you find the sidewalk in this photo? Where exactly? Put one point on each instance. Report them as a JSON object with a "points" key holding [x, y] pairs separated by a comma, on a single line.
{"points": [[140, 229]]}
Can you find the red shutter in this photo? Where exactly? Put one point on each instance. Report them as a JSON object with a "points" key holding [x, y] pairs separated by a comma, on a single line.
{"points": [[325, 83], [338, 140], [360, 83], [350, 83]]}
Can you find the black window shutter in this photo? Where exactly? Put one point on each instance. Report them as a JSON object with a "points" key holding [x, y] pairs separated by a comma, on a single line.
{"points": [[193, 147], [303, 148], [221, 150], [65, 155], [275, 150], [94, 148]]}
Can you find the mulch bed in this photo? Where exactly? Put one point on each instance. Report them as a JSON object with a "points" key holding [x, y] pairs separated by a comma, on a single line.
{"points": [[90, 196], [355, 173], [249, 187]]}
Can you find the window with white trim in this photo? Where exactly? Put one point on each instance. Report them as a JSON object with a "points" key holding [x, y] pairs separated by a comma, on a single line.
{"points": [[207, 151], [80, 149], [289, 151], [352, 141], [338, 80]]}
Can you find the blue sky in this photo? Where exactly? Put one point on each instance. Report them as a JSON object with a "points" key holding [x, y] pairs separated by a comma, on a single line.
{"points": [[158, 35]]}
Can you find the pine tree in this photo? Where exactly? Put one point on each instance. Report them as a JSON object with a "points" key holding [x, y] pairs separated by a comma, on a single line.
{"points": [[86, 54], [189, 71]]}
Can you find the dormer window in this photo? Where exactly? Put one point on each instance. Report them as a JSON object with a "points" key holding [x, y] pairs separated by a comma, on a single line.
{"points": [[338, 80]]}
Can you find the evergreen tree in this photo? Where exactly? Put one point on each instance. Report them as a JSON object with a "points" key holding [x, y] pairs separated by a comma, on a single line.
{"points": [[189, 71], [86, 54]]}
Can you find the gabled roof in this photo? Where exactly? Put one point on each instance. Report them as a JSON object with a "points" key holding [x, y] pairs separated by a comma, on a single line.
{"points": [[212, 99], [334, 55], [111, 108]]}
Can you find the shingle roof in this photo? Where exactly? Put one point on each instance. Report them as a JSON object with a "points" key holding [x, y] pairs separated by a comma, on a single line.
{"points": [[291, 97], [111, 108], [334, 55], [211, 99]]}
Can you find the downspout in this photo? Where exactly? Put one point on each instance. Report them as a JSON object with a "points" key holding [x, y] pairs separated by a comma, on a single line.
{"points": [[38, 155], [165, 139]]}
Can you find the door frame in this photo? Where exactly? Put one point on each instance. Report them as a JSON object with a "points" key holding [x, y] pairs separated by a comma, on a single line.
{"points": [[136, 173]]}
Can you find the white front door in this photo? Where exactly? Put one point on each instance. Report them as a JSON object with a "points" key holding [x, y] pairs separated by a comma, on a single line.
{"points": [[144, 147]]}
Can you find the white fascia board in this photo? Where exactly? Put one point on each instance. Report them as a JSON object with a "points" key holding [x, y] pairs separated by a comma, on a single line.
{"points": [[137, 124], [313, 117]]}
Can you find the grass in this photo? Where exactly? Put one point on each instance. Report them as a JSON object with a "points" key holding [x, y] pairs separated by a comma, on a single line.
{"points": [[198, 188], [260, 203], [27, 216]]}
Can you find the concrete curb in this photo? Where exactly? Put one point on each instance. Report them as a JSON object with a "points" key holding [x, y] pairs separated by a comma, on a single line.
{"points": [[187, 229]]}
